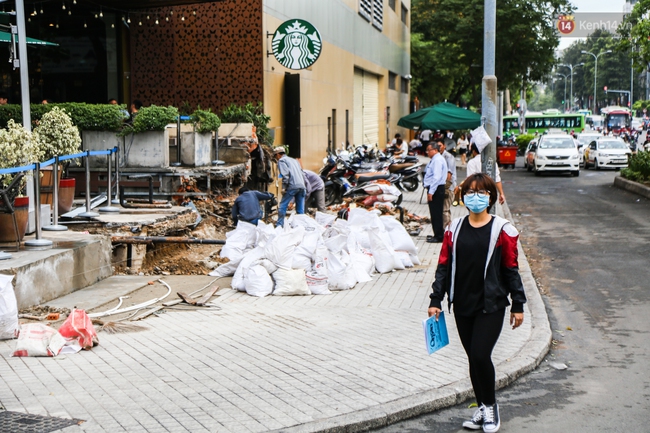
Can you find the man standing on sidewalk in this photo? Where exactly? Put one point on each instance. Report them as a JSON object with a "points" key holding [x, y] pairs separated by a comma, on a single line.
{"points": [[450, 183], [293, 184], [434, 181], [315, 190]]}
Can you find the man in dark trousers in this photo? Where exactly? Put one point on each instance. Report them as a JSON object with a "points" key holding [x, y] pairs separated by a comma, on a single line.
{"points": [[434, 181], [247, 206]]}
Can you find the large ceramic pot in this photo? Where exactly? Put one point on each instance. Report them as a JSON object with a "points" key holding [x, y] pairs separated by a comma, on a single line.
{"points": [[7, 232], [66, 195]]}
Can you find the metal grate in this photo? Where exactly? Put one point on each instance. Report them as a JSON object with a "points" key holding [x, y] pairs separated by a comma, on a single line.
{"points": [[16, 422]]}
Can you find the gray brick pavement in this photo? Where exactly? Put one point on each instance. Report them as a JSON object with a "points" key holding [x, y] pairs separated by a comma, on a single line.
{"points": [[278, 363]]}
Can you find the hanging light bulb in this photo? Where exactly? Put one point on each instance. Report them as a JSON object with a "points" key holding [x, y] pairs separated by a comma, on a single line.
{"points": [[101, 14], [63, 5], [156, 21], [182, 17], [74, 2], [167, 19], [69, 12], [41, 8], [128, 19], [112, 25], [35, 13], [85, 25], [171, 12], [57, 25], [140, 22], [29, 19], [96, 15], [194, 12], [148, 17]]}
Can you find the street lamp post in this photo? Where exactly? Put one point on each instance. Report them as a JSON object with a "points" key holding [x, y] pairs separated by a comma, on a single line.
{"points": [[571, 67], [595, 72], [565, 78]]}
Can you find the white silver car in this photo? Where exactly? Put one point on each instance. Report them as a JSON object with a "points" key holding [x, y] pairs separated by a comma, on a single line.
{"points": [[583, 142], [607, 152], [557, 153]]}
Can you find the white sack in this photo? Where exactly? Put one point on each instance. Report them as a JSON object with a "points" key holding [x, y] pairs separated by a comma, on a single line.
{"points": [[227, 269], [281, 248], [243, 238], [258, 282], [414, 259], [318, 282], [386, 198], [289, 282], [249, 259], [399, 237], [325, 219], [340, 271], [265, 232], [404, 257], [304, 253], [9, 326], [363, 265], [385, 259]]}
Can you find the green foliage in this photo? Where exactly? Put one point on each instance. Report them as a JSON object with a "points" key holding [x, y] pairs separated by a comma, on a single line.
{"points": [[450, 48], [250, 113], [523, 140], [86, 117], [205, 121], [17, 148], [152, 118], [634, 34], [638, 167], [56, 135]]}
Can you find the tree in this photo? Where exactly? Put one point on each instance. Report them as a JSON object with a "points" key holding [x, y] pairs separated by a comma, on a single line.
{"points": [[526, 40], [635, 34]]}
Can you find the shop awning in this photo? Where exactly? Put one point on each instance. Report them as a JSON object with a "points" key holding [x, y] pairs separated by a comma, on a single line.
{"points": [[6, 37], [441, 116]]}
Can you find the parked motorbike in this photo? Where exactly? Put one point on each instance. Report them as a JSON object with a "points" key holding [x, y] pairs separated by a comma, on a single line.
{"points": [[410, 175]]}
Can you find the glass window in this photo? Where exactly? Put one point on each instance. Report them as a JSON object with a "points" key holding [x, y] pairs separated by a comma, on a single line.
{"points": [[405, 85], [391, 3], [392, 81], [405, 15]]}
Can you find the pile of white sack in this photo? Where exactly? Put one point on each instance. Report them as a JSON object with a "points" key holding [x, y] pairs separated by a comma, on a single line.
{"points": [[381, 194], [314, 256]]}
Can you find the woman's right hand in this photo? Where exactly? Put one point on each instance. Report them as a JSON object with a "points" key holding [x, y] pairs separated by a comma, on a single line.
{"points": [[434, 311]]}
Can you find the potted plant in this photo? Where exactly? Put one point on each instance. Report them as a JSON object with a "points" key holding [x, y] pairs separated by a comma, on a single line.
{"points": [[17, 149], [147, 138], [55, 136], [196, 148]]}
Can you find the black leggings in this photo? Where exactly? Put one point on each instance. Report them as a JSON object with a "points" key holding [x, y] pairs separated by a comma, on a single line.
{"points": [[479, 335]]}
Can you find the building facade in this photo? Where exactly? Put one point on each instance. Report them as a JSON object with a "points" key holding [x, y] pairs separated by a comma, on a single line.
{"points": [[218, 53]]}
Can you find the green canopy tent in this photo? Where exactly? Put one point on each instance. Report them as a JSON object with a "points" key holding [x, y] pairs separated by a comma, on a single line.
{"points": [[6, 37], [441, 116]]}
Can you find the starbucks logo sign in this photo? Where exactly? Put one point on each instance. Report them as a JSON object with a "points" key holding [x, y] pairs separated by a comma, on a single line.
{"points": [[296, 44]]}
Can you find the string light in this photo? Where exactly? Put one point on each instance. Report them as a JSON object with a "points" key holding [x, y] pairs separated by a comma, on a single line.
{"points": [[182, 17], [194, 12], [112, 25], [148, 17], [156, 21], [35, 13], [167, 18], [140, 22], [74, 2], [41, 8], [128, 19], [63, 5], [101, 14], [69, 13], [85, 24]]}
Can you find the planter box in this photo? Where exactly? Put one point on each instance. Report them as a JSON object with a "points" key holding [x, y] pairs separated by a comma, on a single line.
{"points": [[235, 130], [196, 149], [148, 149], [99, 140]]}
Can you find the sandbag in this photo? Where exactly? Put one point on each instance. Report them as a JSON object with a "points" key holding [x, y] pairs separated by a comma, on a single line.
{"points": [[370, 200], [324, 219], [363, 265], [9, 326], [281, 248], [399, 237], [385, 259], [304, 253], [290, 282], [340, 271], [227, 269], [79, 326], [317, 282], [257, 281], [243, 238], [372, 189], [265, 232], [404, 257], [385, 198], [252, 256], [33, 340]]}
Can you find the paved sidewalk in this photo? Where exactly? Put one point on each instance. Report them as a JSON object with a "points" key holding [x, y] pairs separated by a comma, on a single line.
{"points": [[343, 362]]}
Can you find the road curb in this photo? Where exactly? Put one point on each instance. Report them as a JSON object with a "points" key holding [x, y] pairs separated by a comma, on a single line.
{"points": [[635, 187], [527, 359]]}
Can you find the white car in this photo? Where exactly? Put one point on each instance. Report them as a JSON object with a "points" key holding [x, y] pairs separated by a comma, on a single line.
{"points": [[607, 152], [557, 153], [583, 142]]}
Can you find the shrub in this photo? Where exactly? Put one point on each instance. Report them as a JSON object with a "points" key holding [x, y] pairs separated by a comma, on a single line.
{"points": [[205, 121], [55, 135], [152, 118], [638, 167], [250, 113], [86, 117], [523, 140], [17, 149]]}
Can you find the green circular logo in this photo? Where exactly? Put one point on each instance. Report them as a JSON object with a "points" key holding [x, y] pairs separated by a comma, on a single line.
{"points": [[296, 44]]}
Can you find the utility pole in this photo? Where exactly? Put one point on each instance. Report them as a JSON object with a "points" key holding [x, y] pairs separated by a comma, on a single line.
{"points": [[571, 67], [489, 93]]}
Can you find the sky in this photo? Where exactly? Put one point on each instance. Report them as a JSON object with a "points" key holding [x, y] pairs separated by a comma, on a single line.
{"points": [[592, 6]]}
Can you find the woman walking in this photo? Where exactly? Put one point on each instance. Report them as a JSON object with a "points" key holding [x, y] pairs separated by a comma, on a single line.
{"points": [[462, 146], [477, 270]]}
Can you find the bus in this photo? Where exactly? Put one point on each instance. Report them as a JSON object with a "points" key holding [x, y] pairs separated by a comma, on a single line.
{"points": [[541, 122], [617, 119]]}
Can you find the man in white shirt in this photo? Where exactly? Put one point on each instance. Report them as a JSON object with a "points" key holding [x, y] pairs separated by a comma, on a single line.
{"points": [[474, 166], [450, 183], [434, 181], [425, 138]]}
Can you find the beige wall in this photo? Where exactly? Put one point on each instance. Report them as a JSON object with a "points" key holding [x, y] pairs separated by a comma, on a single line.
{"points": [[329, 84]]}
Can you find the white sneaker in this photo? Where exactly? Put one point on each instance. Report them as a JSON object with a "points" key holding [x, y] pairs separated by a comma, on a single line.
{"points": [[491, 419], [477, 420]]}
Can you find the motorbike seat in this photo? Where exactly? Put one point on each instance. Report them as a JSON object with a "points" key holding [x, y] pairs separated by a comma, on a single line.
{"points": [[393, 168], [364, 179]]}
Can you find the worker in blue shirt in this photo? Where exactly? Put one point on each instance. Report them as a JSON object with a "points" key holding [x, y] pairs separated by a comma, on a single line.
{"points": [[434, 181], [247, 206]]}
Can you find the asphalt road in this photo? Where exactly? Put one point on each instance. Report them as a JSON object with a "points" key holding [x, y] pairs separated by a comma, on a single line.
{"points": [[589, 246]]}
